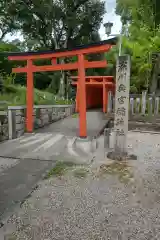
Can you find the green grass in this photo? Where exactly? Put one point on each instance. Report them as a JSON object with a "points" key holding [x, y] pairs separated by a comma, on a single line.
{"points": [[15, 95], [11, 237], [60, 168], [80, 173], [75, 115]]}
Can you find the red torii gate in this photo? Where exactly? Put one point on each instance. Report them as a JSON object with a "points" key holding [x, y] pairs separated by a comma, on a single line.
{"points": [[94, 85], [80, 65]]}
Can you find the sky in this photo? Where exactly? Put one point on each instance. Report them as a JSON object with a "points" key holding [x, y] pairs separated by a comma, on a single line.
{"points": [[110, 16]]}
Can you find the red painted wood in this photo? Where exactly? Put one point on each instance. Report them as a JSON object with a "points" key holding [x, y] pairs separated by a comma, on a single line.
{"points": [[54, 61], [82, 97], [97, 88], [30, 100], [61, 67], [95, 77], [96, 83]]}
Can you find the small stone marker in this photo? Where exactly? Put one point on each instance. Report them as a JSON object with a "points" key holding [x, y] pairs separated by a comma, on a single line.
{"points": [[138, 105], [131, 106], [150, 106], [109, 110], [156, 109], [144, 94]]}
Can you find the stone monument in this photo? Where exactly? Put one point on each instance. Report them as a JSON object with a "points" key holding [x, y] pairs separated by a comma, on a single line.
{"points": [[121, 108]]}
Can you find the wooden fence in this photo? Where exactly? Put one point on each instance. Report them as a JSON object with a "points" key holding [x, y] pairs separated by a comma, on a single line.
{"points": [[143, 107]]}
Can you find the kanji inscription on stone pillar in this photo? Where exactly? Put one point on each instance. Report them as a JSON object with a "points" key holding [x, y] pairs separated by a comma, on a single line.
{"points": [[122, 104]]}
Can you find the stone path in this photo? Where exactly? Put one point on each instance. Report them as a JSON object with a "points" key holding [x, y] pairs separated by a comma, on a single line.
{"points": [[96, 121], [41, 146], [17, 181], [24, 160], [98, 205], [57, 139]]}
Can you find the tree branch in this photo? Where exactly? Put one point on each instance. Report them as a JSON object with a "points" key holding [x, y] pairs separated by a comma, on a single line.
{"points": [[4, 34]]}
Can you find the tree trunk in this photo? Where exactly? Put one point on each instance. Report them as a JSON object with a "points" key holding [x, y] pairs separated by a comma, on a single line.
{"points": [[155, 73], [62, 91]]}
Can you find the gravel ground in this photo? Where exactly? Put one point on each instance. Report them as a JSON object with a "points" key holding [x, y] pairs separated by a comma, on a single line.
{"points": [[100, 205], [6, 163]]}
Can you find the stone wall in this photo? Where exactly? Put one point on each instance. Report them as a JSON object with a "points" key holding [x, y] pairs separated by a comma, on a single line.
{"points": [[3, 126], [43, 115]]}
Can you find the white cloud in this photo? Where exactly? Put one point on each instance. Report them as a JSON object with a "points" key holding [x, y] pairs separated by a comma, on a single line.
{"points": [[110, 16]]}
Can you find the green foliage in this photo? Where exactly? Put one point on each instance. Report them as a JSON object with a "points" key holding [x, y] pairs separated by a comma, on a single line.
{"points": [[54, 82], [14, 94], [141, 21], [60, 168], [75, 115], [111, 57], [7, 23], [54, 24], [5, 65], [81, 172]]}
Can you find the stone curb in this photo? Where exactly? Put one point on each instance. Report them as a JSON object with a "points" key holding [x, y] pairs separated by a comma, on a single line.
{"points": [[143, 131], [40, 106]]}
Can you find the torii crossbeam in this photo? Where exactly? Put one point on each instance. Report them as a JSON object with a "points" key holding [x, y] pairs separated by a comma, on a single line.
{"points": [[80, 65]]}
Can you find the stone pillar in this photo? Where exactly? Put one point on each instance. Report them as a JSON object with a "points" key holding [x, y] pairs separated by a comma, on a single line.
{"points": [[11, 123], [122, 104], [110, 102], [30, 96], [121, 107]]}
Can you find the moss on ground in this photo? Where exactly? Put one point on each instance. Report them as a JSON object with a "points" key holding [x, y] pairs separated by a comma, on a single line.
{"points": [[59, 169], [120, 169], [75, 115], [80, 172]]}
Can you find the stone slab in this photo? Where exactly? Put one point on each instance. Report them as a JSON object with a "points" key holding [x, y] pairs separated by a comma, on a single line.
{"points": [[38, 106], [96, 121], [17, 182]]}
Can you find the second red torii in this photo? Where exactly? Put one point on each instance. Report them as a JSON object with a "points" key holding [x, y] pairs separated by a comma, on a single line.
{"points": [[97, 88]]}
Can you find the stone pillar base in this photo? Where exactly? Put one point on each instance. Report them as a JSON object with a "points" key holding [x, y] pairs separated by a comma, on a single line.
{"points": [[121, 157]]}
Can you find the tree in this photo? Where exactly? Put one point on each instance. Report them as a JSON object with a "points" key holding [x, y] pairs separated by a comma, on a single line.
{"points": [[8, 23], [144, 11], [57, 24], [142, 19], [5, 65]]}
